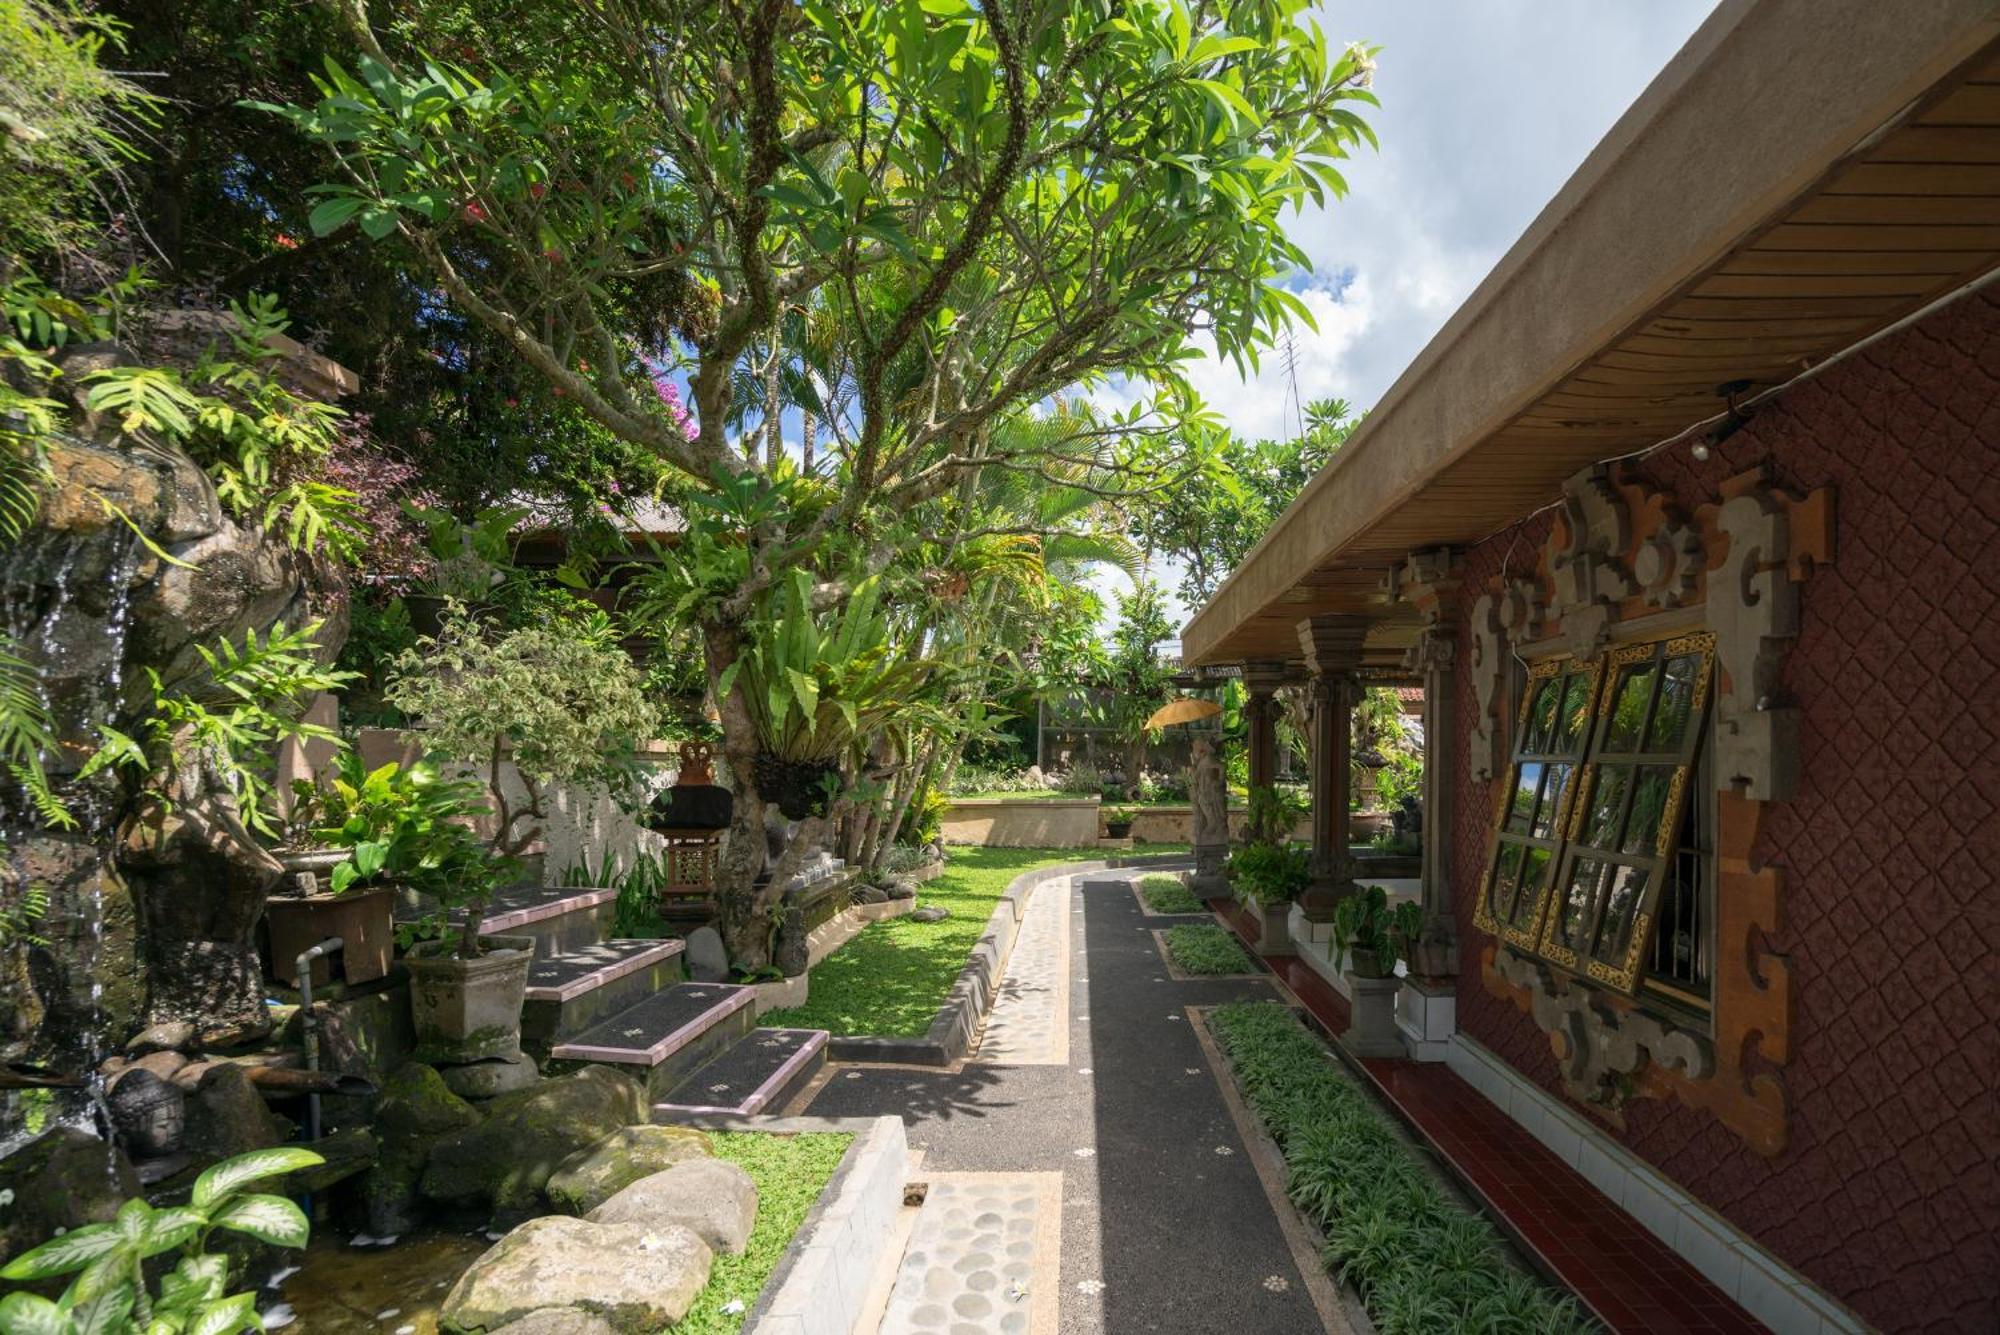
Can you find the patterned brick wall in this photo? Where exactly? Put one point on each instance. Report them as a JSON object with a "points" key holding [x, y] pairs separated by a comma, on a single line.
{"points": [[1888, 1195]]}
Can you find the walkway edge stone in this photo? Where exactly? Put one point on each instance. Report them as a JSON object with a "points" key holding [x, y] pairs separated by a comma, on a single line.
{"points": [[821, 1283], [964, 1010]]}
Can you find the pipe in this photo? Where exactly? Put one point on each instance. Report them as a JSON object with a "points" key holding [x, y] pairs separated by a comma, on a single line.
{"points": [[308, 1027], [278, 1081]]}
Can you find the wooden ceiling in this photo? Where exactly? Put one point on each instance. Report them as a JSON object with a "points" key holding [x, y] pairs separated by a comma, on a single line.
{"points": [[1908, 217]]}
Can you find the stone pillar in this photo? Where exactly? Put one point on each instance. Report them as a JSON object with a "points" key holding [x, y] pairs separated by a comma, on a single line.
{"points": [[1209, 794], [1260, 712], [1428, 1003], [1332, 649]]}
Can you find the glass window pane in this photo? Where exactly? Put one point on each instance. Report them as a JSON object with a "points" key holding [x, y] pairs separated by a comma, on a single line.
{"points": [[1555, 786], [1607, 798], [1521, 805], [1584, 878], [1542, 715], [1534, 870], [1575, 714], [1628, 707], [1670, 716], [1627, 885], [1500, 900], [1651, 787]]}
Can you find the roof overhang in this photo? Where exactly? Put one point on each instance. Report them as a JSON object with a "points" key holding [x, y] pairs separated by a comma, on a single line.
{"points": [[1803, 174]]}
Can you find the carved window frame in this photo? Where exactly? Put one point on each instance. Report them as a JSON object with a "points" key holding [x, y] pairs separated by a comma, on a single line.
{"points": [[1556, 755], [1596, 833]]}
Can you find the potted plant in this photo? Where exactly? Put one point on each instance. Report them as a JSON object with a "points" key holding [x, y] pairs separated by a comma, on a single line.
{"points": [[1377, 936], [537, 708], [468, 561], [1266, 878], [1118, 822], [352, 844]]}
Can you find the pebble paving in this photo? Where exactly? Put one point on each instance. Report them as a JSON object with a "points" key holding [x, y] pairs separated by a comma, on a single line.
{"points": [[1160, 1221]]}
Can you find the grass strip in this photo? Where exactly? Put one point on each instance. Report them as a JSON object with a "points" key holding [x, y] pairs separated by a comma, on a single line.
{"points": [[1206, 948], [790, 1172], [1169, 894], [890, 980], [1420, 1261]]}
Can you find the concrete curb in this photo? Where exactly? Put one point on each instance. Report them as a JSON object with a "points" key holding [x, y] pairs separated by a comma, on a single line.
{"points": [[958, 1019], [821, 1283]]}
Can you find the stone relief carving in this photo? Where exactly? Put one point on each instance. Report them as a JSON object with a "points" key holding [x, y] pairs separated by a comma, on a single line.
{"points": [[1587, 560], [1754, 608], [1489, 656], [1600, 1050]]}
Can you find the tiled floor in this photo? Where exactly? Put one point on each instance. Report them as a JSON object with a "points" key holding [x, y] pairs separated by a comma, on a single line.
{"points": [[1629, 1278]]}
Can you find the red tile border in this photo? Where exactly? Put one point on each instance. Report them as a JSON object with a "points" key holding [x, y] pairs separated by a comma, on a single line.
{"points": [[1626, 1277]]}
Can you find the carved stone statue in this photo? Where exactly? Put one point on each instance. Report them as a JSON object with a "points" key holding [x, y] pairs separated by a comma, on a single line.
{"points": [[1211, 814]]}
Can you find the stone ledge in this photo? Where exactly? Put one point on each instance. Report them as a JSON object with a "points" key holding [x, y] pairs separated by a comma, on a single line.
{"points": [[819, 1286], [950, 1034]]}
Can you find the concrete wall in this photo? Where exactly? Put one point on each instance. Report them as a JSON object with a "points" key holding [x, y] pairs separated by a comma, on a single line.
{"points": [[997, 823], [1885, 1196]]}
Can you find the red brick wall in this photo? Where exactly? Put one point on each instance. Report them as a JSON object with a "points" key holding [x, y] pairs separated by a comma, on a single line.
{"points": [[1888, 1195]]}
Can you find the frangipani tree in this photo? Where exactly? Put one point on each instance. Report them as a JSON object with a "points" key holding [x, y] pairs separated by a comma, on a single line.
{"points": [[987, 204]]}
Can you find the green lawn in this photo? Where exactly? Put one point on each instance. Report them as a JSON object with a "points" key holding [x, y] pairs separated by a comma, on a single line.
{"points": [[790, 1172], [1169, 894], [890, 980], [1205, 948]]}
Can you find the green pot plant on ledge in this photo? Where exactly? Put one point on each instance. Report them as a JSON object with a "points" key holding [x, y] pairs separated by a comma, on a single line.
{"points": [[1376, 936], [370, 834], [1267, 873], [539, 709], [1118, 821]]}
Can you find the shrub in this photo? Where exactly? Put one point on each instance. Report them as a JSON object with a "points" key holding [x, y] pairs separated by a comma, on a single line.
{"points": [[925, 822], [1420, 1261], [1267, 874], [1206, 948], [1169, 894], [1085, 779]]}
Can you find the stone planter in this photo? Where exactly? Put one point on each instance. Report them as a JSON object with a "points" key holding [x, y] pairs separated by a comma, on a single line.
{"points": [[1371, 1028], [364, 920], [1274, 928], [469, 1010]]}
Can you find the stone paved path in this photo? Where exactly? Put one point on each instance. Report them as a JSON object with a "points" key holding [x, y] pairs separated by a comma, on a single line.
{"points": [[1165, 1224]]}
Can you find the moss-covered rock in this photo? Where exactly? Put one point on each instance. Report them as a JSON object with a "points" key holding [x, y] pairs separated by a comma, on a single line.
{"points": [[413, 1110], [506, 1160], [636, 1277], [590, 1177], [58, 1181]]}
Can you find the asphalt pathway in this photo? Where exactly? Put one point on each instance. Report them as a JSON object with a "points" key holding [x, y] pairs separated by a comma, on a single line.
{"points": [[1165, 1224]]}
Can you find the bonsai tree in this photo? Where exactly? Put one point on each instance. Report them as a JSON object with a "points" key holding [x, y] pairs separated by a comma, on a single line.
{"points": [[562, 701]]}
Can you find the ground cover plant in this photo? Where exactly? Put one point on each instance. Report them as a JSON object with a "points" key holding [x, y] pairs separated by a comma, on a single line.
{"points": [[790, 1172], [1169, 894], [891, 979], [1206, 948], [1419, 1260]]}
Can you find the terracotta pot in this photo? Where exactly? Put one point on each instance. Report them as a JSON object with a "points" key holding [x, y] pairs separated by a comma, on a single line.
{"points": [[468, 1010], [364, 920]]}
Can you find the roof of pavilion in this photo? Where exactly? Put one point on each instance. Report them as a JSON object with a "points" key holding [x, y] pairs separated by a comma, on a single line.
{"points": [[1803, 174]]}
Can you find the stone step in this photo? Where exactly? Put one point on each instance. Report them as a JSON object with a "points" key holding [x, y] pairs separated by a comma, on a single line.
{"points": [[558, 917], [754, 1076], [668, 1035], [570, 992]]}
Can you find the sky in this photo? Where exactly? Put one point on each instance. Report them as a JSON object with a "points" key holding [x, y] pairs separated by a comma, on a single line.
{"points": [[1487, 107]]}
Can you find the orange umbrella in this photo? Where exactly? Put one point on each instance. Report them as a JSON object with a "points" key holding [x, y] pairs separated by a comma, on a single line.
{"points": [[1187, 709]]}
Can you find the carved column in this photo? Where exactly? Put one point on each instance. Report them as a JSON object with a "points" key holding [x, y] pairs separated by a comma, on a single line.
{"points": [[1331, 646], [1260, 713], [1430, 581], [1209, 792]]}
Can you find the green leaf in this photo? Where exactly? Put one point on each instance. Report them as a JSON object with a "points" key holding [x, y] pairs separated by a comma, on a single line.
{"points": [[233, 1174], [271, 1219], [104, 1314], [329, 214], [26, 1314], [65, 1255], [227, 1316], [1232, 101]]}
